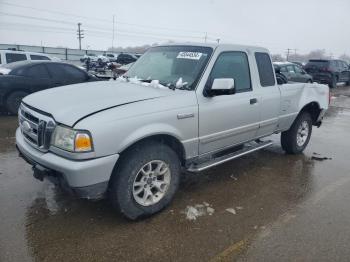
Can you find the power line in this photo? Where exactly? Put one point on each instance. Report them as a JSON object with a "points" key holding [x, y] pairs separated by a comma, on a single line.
{"points": [[107, 31], [98, 34], [101, 19]]}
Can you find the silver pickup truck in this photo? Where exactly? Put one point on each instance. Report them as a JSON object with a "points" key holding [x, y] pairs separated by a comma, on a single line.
{"points": [[180, 107]]}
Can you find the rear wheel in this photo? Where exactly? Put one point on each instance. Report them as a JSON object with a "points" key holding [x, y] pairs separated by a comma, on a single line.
{"points": [[13, 101], [146, 180], [295, 140]]}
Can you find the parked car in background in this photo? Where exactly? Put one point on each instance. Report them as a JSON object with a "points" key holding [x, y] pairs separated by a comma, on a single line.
{"points": [[121, 70], [20, 79], [329, 72], [112, 57], [293, 72], [124, 58], [10, 56], [93, 57]]}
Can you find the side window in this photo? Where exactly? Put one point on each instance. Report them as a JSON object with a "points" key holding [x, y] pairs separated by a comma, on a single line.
{"points": [[13, 57], [38, 57], [37, 71], [233, 65], [290, 69], [66, 72], [74, 73], [298, 70], [267, 77], [283, 69], [56, 71]]}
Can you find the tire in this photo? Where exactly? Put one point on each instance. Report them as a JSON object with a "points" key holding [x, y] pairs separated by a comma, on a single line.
{"points": [[125, 194], [292, 140], [13, 101], [333, 83], [309, 81]]}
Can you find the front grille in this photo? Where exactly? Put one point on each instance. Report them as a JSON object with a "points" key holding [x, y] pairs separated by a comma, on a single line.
{"points": [[36, 127]]}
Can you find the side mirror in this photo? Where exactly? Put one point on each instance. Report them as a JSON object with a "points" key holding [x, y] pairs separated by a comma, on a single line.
{"points": [[223, 84], [303, 72]]}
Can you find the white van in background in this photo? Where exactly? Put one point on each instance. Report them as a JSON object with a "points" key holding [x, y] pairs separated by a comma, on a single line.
{"points": [[9, 56]]}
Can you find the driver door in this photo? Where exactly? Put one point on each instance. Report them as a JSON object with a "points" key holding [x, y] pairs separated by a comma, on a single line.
{"points": [[232, 118]]}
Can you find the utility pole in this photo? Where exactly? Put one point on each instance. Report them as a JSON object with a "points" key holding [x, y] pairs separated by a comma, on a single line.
{"points": [[113, 33], [218, 40], [205, 37], [80, 34], [288, 51]]}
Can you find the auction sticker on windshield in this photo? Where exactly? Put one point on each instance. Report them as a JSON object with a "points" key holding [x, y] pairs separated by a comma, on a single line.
{"points": [[189, 55]]}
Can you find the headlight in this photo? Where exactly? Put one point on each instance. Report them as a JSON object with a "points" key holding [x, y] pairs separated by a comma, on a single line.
{"points": [[71, 140]]}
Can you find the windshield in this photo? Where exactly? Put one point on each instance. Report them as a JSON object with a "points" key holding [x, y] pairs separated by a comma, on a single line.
{"points": [[171, 64]]}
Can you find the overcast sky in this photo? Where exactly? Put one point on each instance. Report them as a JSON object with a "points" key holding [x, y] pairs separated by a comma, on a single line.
{"points": [[299, 24]]}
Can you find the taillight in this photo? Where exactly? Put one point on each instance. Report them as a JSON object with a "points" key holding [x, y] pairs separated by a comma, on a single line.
{"points": [[329, 96]]}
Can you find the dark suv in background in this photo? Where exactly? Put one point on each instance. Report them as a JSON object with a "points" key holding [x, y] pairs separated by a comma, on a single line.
{"points": [[329, 72]]}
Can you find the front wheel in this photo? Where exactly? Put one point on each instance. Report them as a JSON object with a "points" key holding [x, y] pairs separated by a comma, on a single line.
{"points": [[295, 140], [146, 180]]}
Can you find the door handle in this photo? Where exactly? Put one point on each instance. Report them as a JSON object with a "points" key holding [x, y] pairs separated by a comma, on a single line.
{"points": [[253, 101]]}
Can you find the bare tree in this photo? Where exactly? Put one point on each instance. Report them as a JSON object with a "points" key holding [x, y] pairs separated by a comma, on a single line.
{"points": [[277, 58], [345, 57]]}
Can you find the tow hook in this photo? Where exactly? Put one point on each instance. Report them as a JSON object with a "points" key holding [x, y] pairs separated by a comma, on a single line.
{"points": [[39, 172]]}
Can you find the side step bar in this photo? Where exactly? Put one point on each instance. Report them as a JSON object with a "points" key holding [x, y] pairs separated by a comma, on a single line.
{"points": [[222, 159]]}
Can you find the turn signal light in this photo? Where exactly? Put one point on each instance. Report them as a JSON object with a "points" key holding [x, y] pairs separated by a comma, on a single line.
{"points": [[83, 143]]}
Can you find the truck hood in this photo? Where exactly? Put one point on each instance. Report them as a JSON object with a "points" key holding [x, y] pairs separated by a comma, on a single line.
{"points": [[68, 104]]}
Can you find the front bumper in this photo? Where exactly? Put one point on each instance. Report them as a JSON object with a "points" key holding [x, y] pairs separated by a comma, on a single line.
{"points": [[87, 178]]}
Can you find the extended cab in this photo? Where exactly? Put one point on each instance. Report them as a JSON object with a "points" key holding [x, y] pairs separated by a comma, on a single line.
{"points": [[183, 106]]}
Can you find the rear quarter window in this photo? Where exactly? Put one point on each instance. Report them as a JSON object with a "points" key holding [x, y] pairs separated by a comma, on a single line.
{"points": [[13, 57], [39, 57], [265, 69]]}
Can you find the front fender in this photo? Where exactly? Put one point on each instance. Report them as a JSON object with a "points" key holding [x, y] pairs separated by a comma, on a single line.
{"points": [[149, 131]]}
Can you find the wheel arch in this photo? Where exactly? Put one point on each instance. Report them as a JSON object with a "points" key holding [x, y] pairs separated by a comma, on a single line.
{"points": [[11, 91], [314, 109], [168, 139]]}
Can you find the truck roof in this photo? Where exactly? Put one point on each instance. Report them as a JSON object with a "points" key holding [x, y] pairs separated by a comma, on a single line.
{"points": [[215, 45]]}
